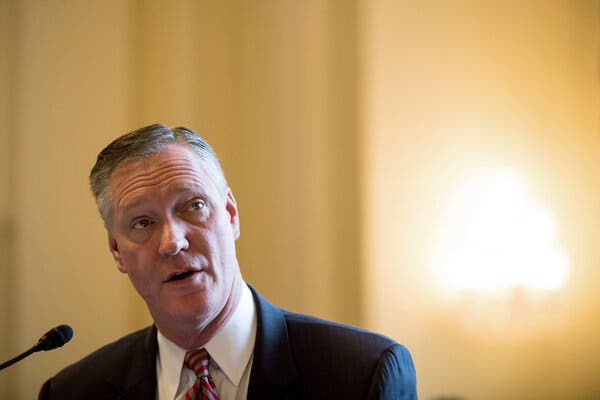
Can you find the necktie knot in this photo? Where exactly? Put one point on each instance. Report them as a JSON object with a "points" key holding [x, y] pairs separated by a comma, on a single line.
{"points": [[197, 361]]}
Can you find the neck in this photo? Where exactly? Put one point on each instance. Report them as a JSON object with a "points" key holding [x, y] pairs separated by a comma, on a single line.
{"points": [[194, 334]]}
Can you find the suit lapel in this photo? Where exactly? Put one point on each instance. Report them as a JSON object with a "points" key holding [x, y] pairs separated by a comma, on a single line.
{"points": [[139, 381], [273, 368]]}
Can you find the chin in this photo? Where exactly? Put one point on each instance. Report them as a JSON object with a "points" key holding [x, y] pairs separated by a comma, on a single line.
{"points": [[197, 309]]}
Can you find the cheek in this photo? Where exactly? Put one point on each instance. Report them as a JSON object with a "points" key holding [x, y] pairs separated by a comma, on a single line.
{"points": [[142, 283], [134, 262]]}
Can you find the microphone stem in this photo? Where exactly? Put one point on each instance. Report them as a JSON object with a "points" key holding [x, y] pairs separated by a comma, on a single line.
{"points": [[17, 358]]}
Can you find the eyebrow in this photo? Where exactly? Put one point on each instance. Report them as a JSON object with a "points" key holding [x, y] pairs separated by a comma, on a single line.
{"points": [[129, 206], [198, 190], [188, 189]]}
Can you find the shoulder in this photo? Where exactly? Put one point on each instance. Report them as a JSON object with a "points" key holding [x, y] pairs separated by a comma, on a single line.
{"points": [[311, 331], [309, 334], [395, 376], [130, 353], [314, 340], [305, 357], [329, 351], [115, 355]]}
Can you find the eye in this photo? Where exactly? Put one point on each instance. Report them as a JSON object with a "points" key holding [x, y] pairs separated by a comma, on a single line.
{"points": [[196, 209], [197, 205], [141, 223]]}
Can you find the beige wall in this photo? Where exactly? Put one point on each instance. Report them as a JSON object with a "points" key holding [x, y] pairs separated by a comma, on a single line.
{"points": [[340, 126], [449, 88], [6, 225]]}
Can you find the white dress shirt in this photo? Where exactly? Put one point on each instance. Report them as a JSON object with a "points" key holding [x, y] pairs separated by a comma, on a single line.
{"points": [[230, 352]]}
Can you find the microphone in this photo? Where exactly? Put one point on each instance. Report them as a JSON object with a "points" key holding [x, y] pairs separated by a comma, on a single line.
{"points": [[55, 337]]}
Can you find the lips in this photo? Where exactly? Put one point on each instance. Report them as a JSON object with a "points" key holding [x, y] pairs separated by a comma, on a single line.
{"points": [[180, 275]]}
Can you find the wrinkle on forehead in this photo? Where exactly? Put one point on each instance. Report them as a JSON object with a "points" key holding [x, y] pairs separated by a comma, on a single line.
{"points": [[160, 169], [141, 179]]}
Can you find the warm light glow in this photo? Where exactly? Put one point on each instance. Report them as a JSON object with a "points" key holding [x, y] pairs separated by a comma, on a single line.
{"points": [[495, 237]]}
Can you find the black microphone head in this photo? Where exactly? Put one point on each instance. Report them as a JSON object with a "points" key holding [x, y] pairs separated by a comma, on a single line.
{"points": [[54, 338]]}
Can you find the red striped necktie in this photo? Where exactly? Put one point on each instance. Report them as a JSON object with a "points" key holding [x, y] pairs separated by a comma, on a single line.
{"points": [[204, 387]]}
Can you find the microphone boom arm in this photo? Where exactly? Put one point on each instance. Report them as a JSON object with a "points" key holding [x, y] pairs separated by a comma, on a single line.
{"points": [[17, 358]]}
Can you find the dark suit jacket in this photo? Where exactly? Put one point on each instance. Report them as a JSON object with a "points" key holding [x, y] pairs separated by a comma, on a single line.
{"points": [[295, 357]]}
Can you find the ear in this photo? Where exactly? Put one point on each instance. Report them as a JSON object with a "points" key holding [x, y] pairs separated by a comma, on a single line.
{"points": [[114, 249], [234, 219]]}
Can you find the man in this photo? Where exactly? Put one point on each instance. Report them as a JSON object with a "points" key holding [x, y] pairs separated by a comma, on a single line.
{"points": [[172, 223]]}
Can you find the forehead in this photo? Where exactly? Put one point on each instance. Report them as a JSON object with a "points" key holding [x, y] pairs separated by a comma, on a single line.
{"points": [[175, 166]]}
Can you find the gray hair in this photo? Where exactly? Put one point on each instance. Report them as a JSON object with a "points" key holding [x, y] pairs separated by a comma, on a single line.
{"points": [[143, 143]]}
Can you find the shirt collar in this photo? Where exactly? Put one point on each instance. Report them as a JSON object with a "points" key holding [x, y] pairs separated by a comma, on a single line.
{"points": [[230, 348], [169, 365]]}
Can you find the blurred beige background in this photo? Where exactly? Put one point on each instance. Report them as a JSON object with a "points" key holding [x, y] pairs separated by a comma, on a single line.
{"points": [[342, 127]]}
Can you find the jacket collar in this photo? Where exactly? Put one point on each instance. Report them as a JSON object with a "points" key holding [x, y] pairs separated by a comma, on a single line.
{"points": [[138, 382], [273, 368]]}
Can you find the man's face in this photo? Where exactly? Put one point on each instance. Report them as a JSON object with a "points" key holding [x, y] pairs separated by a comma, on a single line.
{"points": [[173, 232]]}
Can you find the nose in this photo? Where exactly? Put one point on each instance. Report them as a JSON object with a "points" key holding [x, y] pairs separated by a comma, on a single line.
{"points": [[173, 238]]}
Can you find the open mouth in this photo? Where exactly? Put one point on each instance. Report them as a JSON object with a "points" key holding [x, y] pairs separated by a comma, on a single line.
{"points": [[181, 275]]}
